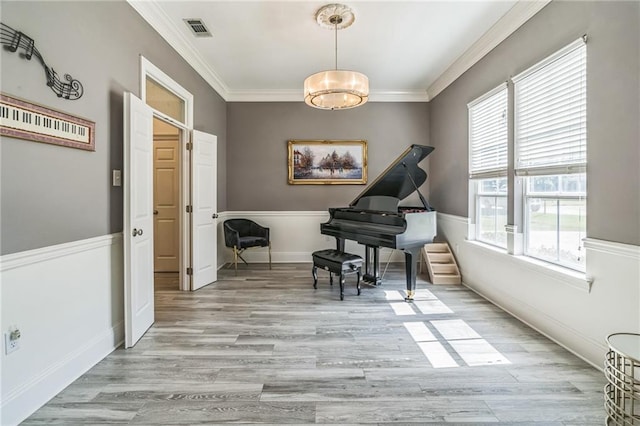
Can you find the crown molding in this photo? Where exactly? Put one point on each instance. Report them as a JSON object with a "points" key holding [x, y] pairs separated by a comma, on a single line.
{"points": [[155, 16], [520, 13], [266, 95], [399, 96], [297, 96]]}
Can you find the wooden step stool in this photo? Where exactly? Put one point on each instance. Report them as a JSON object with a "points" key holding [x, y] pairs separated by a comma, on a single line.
{"points": [[441, 264], [336, 262]]}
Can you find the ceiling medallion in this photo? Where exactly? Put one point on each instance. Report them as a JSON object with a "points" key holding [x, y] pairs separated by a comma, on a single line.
{"points": [[344, 15], [336, 89]]}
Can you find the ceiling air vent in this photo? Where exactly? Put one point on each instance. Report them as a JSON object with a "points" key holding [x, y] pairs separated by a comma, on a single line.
{"points": [[198, 28]]}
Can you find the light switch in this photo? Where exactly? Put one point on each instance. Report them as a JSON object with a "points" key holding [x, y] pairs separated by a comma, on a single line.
{"points": [[116, 177]]}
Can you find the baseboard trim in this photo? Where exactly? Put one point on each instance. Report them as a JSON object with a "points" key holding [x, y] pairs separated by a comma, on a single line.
{"points": [[31, 395]]}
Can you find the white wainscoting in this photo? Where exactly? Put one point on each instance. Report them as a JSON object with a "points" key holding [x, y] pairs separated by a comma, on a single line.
{"points": [[294, 236], [67, 301], [571, 311]]}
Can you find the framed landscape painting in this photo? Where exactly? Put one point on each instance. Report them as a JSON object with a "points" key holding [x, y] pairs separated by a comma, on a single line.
{"points": [[327, 162]]}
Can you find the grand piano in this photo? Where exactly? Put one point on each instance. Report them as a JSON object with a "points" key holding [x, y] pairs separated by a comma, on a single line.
{"points": [[375, 219]]}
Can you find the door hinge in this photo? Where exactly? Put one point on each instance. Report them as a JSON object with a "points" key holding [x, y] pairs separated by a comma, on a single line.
{"points": [[189, 146], [189, 209], [189, 271]]}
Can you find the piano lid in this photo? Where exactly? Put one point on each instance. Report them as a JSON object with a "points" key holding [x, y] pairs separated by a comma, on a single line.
{"points": [[395, 181]]}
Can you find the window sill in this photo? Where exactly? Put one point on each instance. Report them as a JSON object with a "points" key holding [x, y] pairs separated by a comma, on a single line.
{"points": [[570, 277]]}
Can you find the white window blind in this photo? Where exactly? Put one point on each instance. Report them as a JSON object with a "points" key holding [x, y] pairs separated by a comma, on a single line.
{"points": [[550, 114], [488, 134]]}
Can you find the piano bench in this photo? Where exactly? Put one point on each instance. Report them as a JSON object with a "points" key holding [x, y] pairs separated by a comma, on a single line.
{"points": [[336, 262]]}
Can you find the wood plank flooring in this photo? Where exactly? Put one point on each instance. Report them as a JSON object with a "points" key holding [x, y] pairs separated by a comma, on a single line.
{"points": [[264, 347]]}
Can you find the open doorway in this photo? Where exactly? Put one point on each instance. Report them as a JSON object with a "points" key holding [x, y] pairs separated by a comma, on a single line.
{"points": [[172, 107], [166, 205], [191, 233], [164, 99]]}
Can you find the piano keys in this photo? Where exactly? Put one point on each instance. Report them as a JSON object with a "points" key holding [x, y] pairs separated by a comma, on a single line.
{"points": [[25, 120], [375, 219]]}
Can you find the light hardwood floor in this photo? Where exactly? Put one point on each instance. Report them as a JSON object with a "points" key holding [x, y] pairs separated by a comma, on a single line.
{"points": [[265, 347]]}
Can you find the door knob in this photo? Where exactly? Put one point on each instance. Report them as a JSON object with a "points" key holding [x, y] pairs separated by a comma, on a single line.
{"points": [[136, 232], [155, 212], [214, 216]]}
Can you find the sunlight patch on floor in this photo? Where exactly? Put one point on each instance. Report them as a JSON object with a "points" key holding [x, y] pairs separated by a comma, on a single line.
{"points": [[459, 336], [419, 331], [455, 329], [478, 352], [424, 294], [429, 307], [437, 355], [402, 308], [393, 295]]}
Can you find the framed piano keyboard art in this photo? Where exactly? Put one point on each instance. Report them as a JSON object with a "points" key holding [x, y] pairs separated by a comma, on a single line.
{"points": [[25, 120], [327, 162]]}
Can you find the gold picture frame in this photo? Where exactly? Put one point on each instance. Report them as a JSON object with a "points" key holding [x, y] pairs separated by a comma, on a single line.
{"points": [[327, 162], [29, 121]]}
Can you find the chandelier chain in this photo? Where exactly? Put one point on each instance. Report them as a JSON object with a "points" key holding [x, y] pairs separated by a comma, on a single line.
{"points": [[335, 25]]}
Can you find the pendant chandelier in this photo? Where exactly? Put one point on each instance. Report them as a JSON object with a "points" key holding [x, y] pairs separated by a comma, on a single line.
{"points": [[336, 89]]}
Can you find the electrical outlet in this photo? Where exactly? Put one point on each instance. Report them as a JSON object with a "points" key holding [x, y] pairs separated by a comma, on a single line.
{"points": [[11, 341]]}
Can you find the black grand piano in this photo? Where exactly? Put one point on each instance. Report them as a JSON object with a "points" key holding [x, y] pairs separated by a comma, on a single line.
{"points": [[375, 219]]}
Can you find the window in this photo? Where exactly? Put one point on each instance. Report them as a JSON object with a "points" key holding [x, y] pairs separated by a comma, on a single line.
{"points": [[556, 218], [547, 139], [488, 150], [550, 148], [491, 210], [163, 100]]}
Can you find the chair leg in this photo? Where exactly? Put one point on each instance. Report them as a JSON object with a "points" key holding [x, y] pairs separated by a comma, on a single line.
{"points": [[269, 254], [235, 258], [240, 256]]}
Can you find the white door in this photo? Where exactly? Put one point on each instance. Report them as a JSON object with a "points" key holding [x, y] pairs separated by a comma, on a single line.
{"points": [[204, 201], [138, 218]]}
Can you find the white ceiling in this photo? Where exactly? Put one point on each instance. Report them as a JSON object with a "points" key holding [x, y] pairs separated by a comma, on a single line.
{"points": [[263, 50]]}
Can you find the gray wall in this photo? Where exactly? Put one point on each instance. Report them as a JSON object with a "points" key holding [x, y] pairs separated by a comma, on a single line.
{"points": [[257, 149], [613, 111], [52, 194]]}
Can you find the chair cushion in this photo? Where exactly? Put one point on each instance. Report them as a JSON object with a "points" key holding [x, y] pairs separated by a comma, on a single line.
{"points": [[246, 242], [336, 261], [245, 233], [336, 256]]}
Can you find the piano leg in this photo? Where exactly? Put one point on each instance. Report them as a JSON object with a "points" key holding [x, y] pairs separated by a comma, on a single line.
{"points": [[314, 272], [372, 265], [410, 257]]}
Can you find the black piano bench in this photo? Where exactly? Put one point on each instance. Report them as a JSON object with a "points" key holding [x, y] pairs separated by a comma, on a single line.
{"points": [[336, 262]]}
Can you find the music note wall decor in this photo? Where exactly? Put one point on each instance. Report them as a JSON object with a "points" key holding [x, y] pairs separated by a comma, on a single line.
{"points": [[25, 120], [12, 40]]}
